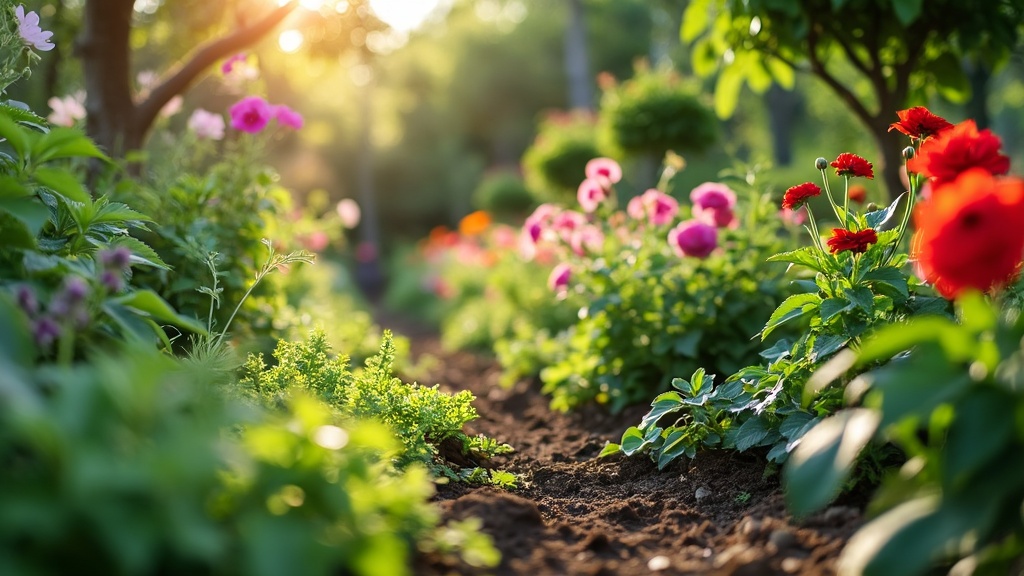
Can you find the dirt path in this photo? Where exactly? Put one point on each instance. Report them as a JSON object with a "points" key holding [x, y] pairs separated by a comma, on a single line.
{"points": [[576, 515]]}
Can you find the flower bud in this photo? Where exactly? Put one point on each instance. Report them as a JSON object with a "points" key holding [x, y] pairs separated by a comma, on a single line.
{"points": [[119, 258], [27, 300], [75, 289], [45, 330], [871, 207], [112, 281], [908, 152], [821, 163]]}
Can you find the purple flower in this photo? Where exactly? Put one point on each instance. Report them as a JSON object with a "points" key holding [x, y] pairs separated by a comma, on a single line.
{"points": [[206, 125], [250, 114], [229, 64], [118, 258], [75, 289], [693, 238], [27, 300], [45, 330], [558, 281], [30, 32], [591, 193], [112, 280], [288, 117]]}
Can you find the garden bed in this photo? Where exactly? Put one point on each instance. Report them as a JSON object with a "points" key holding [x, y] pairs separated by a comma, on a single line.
{"points": [[574, 514]]}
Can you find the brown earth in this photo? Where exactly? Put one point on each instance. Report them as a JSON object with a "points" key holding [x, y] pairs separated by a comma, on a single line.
{"points": [[574, 515]]}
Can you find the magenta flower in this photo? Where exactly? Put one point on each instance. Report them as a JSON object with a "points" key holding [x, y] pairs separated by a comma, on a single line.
{"points": [[693, 238], [558, 281], [713, 204], [604, 169], [792, 217], [30, 32], [566, 222], [250, 114], [206, 125], [288, 117], [654, 206], [229, 64], [587, 239], [591, 193]]}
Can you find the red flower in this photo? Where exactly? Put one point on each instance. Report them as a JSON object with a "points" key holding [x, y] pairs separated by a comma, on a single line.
{"points": [[919, 122], [956, 150], [842, 240], [970, 233], [797, 195], [858, 193], [852, 165]]}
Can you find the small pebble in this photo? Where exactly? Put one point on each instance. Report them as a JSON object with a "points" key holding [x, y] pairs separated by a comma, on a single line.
{"points": [[701, 493], [781, 539], [837, 514], [658, 563], [791, 565]]}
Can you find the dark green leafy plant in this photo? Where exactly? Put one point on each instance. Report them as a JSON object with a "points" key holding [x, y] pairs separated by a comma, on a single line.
{"points": [[552, 165], [427, 421]]}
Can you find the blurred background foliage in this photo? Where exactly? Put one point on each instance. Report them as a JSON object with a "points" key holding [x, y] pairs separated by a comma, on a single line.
{"points": [[438, 120]]}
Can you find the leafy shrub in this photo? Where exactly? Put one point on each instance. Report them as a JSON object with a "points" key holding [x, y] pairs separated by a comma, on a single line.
{"points": [[649, 309], [424, 419], [654, 112], [564, 144], [503, 193]]}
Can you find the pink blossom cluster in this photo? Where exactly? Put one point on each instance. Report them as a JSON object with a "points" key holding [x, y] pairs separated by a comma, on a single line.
{"points": [[252, 114]]}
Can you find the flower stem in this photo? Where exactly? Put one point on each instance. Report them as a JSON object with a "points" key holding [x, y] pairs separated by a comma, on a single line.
{"points": [[905, 220], [828, 192]]}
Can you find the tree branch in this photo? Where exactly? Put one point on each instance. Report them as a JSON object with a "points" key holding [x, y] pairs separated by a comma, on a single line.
{"points": [[842, 91], [203, 57]]}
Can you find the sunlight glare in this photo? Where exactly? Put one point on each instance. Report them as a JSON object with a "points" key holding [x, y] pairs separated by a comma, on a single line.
{"points": [[403, 15], [290, 41], [311, 4]]}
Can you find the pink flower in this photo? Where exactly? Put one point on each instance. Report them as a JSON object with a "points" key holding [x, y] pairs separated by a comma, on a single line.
{"points": [[713, 204], [503, 236], [206, 125], [693, 238], [172, 107], [316, 241], [250, 114], [349, 213], [30, 32], [67, 110], [229, 64], [591, 193], [604, 169], [792, 217], [654, 206], [558, 281], [565, 223], [288, 117], [587, 239]]}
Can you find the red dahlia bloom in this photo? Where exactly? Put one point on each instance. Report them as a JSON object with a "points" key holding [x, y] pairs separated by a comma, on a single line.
{"points": [[852, 165], [843, 240], [970, 233], [858, 193], [797, 195], [919, 123], [958, 149]]}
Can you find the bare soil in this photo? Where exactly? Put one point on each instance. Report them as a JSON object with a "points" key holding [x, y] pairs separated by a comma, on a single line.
{"points": [[575, 515]]}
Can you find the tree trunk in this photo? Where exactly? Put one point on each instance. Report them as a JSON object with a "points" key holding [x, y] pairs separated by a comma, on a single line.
{"points": [[577, 61], [977, 106], [783, 106], [106, 63]]}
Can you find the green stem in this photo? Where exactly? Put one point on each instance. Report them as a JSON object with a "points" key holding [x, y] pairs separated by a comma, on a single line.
{"points": [[828, 192], [66, 346], [846, 203], [905, 221]]}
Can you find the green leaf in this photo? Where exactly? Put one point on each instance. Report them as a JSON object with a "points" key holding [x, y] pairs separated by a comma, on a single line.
{"points": [[823, 459], [950, 79], [32, 213], [830, 307], [14, 233], [142, 253], [687, 344], [609, 449], [632, 440], [695, 20], [117, 212], [861, 297], [982, 428], [879, 218], [751, 433], [150, 303], [783, 74], [891, 340], [663, 404], [907, 11], [826, 344], [889, 276], [20, 113], [674, 447], [793, 307], [806, 256], [727, 91], [62, 182], [65, 143], [17, 136], [917, 385]]}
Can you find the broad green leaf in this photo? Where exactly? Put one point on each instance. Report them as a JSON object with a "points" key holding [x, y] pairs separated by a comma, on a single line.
{"points": [[891, 277], [687, 344], [133, 326], [22, 114], [891, 340], [29, 211], [14, 233], [826, 344], [879, 218], [663, 404], [793, 307], [794, 423], [862, 298], [703, 58], [15, 336], [751, 433], [822, 461], [150, 303], [918, 384], [907, 11], [17, 136], [727, 90], [632, 440], [674, 447], [64, 143], [142, 253], [695, 20], [609, 449], [865, 546], [11, 187], [981, 429], [806, 256], [830, 307], [781, 72], [117, 212], [64, 183]]}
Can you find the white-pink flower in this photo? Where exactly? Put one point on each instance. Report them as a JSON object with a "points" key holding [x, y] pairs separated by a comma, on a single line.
{"points": [[30, 32], [654, 206], [604, 169], [558, 281], [349, 213], [591, 193], [66, 111], [206, 125], [172, 107], [587, 239]]}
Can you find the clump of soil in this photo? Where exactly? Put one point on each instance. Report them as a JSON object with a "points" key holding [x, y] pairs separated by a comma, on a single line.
{"points": [[575, 515]]}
